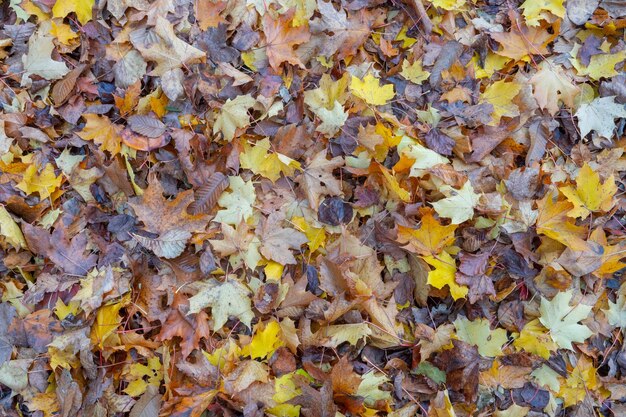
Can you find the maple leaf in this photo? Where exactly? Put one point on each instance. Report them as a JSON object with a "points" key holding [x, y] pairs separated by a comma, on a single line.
{"points": [[600, 66], [459, 205], [189, 329], [551, 84], [444, 274], [161, 216], [599, 116], [277, 241], [535, 11], [328, 93], [478, 333], [260, 160], [418, 157], [590, 194], [562, 320], [237, 203], [240, 245], [582, 379], [233, 115], [228, 298], [82, 8], [319, 180], [522, 41], [102, 131], [500, 95], [44, 183], [430, 239], [332, 120], [369, 90], [554, 222], [616, 313], [281, 38], [162, 46], [414, 72], [265, 340], [534, 338]]}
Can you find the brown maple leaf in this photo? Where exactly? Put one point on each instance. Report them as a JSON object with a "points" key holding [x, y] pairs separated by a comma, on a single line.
{"points": [[160, 215], [522, 40], [189, 328], [280, 39]]}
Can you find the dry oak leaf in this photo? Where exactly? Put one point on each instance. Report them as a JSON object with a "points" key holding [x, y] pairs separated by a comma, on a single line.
{"points": [[102, 131], [553, 221], [430, 239], [590, 194], [319, 180], [281, 37], [162, 46], [277, 241], [522, 41], [160, 215]]}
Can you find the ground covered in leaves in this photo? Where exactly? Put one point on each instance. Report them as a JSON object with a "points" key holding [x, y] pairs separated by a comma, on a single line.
{"points": [[312, 208]]}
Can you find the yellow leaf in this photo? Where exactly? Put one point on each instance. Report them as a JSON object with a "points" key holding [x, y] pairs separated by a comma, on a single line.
{"points": [[63, 33], [261, 161], [444, 274], [534, 338], [414, 72], [62, 310], [11, 230], [265, 341], [600, 66], [107, 321], [501, 94], [237, 203], [316, 235], [45, 402], [82, 8], [285, 389], [448, 4], [479, 334], [612, 256], [534, 10], [273, 270], [580, 381], [44, 184], [233, 115], [370, 91], [430, 239], [590, 194], [553, 222], [392, 185], [143, 375], [103, 132]]}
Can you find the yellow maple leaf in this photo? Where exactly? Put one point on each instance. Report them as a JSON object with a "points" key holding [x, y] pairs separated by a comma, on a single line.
{"points": [[553, 221], [448, 4], [534, 338], [63, 32], [612, 256], [600, 66], [430, 239], [370, 91], [102, 131], [500, 95], [444, 274], [535, 10], [262, 161], [267, 338], [414, 72], [579, 382], [153, 371], [82, 8], [107, 320], [316, 235], [590, 194], [44, 183]]}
